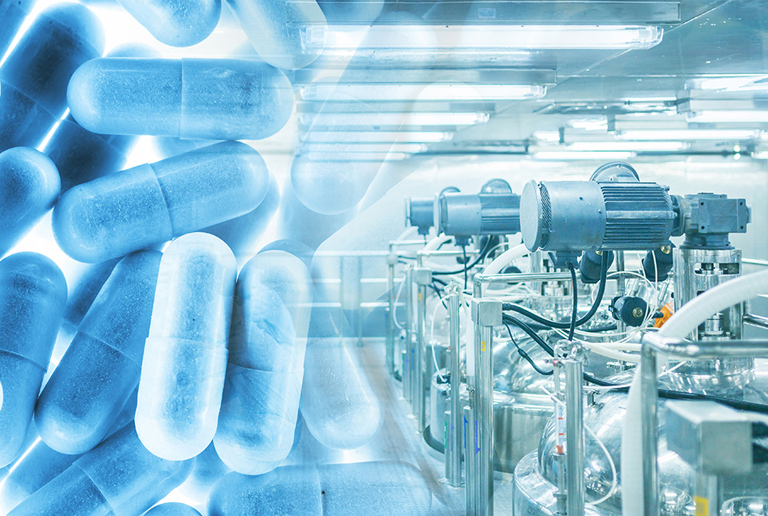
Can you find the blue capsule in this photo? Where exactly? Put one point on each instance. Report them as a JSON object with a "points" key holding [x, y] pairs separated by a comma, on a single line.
{"points": [[118, 477], [266, 363], [145, 205], [80, 155], [102, 366], [370, 488], [33, 293], [178, 23], [13, 13], [185, 358], [84, 292], [337, 401], [172, 509], [287, 35], [209, 99], [29, 185], [241, 233], [33, 81]]}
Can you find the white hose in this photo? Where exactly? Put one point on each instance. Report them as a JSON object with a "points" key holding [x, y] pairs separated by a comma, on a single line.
{"points": [[437, 242], [505, 259], [679, 326]]}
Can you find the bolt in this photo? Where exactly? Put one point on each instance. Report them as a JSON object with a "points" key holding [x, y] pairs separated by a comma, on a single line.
{"points": [[666, 249], [637, 313]]}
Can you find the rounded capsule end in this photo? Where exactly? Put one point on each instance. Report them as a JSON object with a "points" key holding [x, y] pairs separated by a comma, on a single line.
{"points": [[71, 228], [189, 25], [81, 21]]}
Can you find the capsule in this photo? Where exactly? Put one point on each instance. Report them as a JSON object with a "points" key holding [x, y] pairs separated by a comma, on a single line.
{"points": [[33, 293], [85, 291], [33, 80], [82, 156], [208, 99], [176, 23], [29, 185], [241, 233], [39, 464], [185, 358], [102, 366], [172, 509], [13, 13], [266, 362], [287, 35], [145, 205], [337, 402], [118, 477], [369, 488]]}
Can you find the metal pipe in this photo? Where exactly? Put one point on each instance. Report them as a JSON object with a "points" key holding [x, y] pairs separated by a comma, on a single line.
{"points": [[419, 365], [453, 444], [574, 433], [408, 364], [621, 327], [705, 349], [389, 349], [756, 320], [649, 420], [484, 399], [522, 278]]}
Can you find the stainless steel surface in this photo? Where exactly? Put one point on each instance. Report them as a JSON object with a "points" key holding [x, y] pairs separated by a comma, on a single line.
{"points": [[453, 450], [574, 402], [422, 277], [649, 419], [470, 463], [756, 320], [389, 348], [408, 365]]}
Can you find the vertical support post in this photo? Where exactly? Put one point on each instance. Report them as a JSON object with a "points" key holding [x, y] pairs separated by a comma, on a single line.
{"points": [[389, 348], [649, 420], [620, 285], [409, 355], [574, 433], [470, 450], [707, 495], [422, 276], [486, 314], [453, 443]]}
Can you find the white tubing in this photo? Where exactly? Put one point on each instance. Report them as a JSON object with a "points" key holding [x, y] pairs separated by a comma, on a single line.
{"points": [[505, 259], [437, 242], [678, 326]]}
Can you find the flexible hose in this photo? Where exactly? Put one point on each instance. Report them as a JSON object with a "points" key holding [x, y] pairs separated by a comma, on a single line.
{"points": [[505, 259], [679, 326]]}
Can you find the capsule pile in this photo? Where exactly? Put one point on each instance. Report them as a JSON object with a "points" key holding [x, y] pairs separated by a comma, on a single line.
{"points": [[178, 370]]}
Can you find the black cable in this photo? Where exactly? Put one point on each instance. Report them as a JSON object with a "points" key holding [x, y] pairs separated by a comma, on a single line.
{"points": [[479, 259], [439, 295], [575, 312], [508, 319], [464, 255], [526, 356], [440, 282], [554, 324]]}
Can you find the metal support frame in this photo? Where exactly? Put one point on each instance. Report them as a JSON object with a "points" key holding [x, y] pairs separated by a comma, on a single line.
{"points": [[486, 314], [454, 422], [409, 340], [655, 346], [573, 363], [422, 277]]}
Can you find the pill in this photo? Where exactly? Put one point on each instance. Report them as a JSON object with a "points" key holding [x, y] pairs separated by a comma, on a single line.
{"points": [[85, 291], [33, 293], [178, 23], [119, 477], [13, 13], [209, 99], [29, 185], [370, 488], [102, 366], [39, 464], [243, 232], [337, 402], [34, 78], [185, 357], [285, 34], [172, 509], [80, 155], [130, 210], [266, 362]]}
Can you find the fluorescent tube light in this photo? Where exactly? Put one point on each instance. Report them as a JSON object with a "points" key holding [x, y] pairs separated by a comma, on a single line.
{"points": [[663, 146], [362, 156], [705, 117], [570, 156], [391, 119], [689, 134], [376, 136], [743, 83], [343, 148], [422, 92], [347, 39]]}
